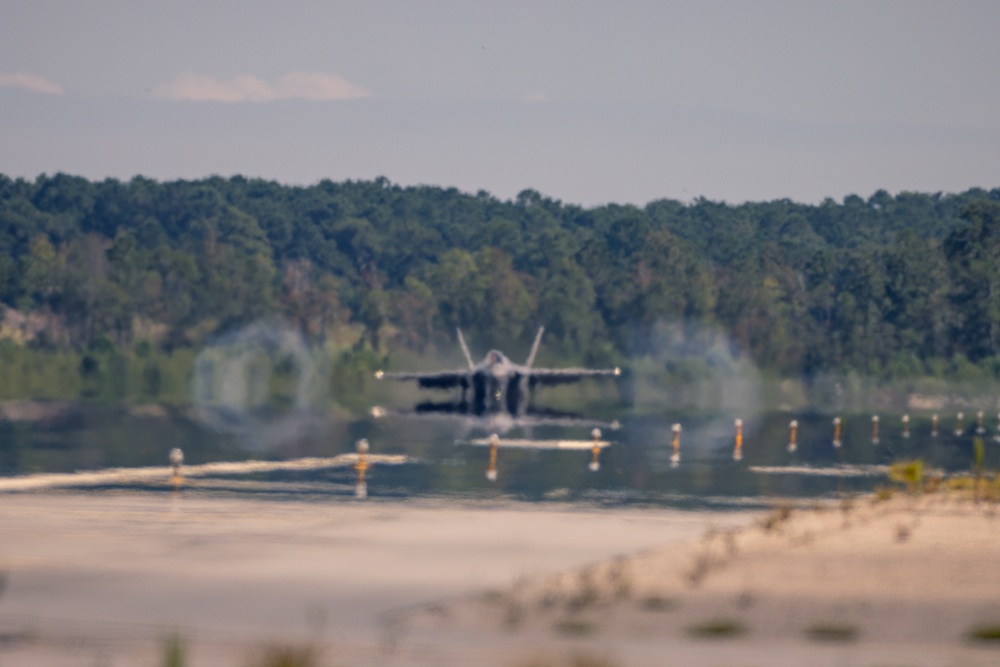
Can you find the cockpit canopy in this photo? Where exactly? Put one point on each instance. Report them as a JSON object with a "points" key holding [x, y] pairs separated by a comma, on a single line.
{"points": [[496, 358]]}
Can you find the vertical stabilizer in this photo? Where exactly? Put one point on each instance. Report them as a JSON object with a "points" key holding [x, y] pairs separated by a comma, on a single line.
{"points": [[534, 347], [465, 348]]}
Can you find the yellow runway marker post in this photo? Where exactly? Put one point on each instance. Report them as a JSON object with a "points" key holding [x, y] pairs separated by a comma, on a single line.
{"points": [[595, 464], [675, 458], [176, 460], [491, 469], [738, 448], [361, 486]]}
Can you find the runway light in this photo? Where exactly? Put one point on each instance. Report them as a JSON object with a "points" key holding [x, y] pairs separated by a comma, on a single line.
{"points": [[595, 465], [793, 427], [176, 461], [491, 469], [675, 458], [836, 433], [379, 375], [738, 449], [361, 486]]}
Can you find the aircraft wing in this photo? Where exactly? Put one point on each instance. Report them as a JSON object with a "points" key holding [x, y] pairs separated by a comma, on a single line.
{"points": [[431, 379], [554, 376]]}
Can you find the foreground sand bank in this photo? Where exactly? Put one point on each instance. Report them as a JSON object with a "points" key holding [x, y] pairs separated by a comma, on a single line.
{"points": [[903, 581], [100, 579]]}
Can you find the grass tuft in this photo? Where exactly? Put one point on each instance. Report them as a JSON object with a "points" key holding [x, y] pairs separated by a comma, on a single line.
{"points": [[700, 568], [586, 594], [286, 655], [985, 633], [587, 660], [174, 651], [493, 596], [575, 627], [910, 473], [884, 492], [392, 628], [574, 660], [658, 603], [620, 579], [718, 628], [513, 616], [903, 532], [778, 516], [832, 632]]}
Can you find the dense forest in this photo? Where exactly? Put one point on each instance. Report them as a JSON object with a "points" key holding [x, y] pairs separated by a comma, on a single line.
{"points": [[891, 286]]}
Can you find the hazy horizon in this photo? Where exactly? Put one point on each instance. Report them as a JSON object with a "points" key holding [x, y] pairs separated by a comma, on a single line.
{"points": [[585, 102]]}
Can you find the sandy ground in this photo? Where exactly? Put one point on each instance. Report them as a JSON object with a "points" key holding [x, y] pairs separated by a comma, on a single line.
{"points": [[102, 578], [893, 582]]}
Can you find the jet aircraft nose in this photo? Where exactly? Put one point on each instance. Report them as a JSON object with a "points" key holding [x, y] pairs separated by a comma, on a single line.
{"points": [[496, 358], [498, 363]]}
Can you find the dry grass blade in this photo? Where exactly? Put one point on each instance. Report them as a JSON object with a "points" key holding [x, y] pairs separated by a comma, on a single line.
{"points": [[174, 651], [985, 633], [718, 628], [286, 655], [832, 632], [658, 603], [575, 627]]}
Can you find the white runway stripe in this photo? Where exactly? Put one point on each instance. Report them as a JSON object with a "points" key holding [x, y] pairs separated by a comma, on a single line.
{"points": [[833, 471], [163, 473]]}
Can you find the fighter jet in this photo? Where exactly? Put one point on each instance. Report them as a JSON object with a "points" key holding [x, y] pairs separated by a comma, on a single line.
{"points": [[498, 384]]}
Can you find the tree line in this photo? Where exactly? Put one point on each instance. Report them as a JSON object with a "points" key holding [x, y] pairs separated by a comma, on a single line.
{"points": [[892, 286]]}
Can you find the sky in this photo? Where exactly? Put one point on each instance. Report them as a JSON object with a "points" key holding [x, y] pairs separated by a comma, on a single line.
{"points": [[587, 102]]}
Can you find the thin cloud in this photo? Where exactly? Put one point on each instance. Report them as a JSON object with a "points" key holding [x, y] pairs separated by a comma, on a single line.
{"points": [[32, 82], [249, 88], [535, 98]]}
